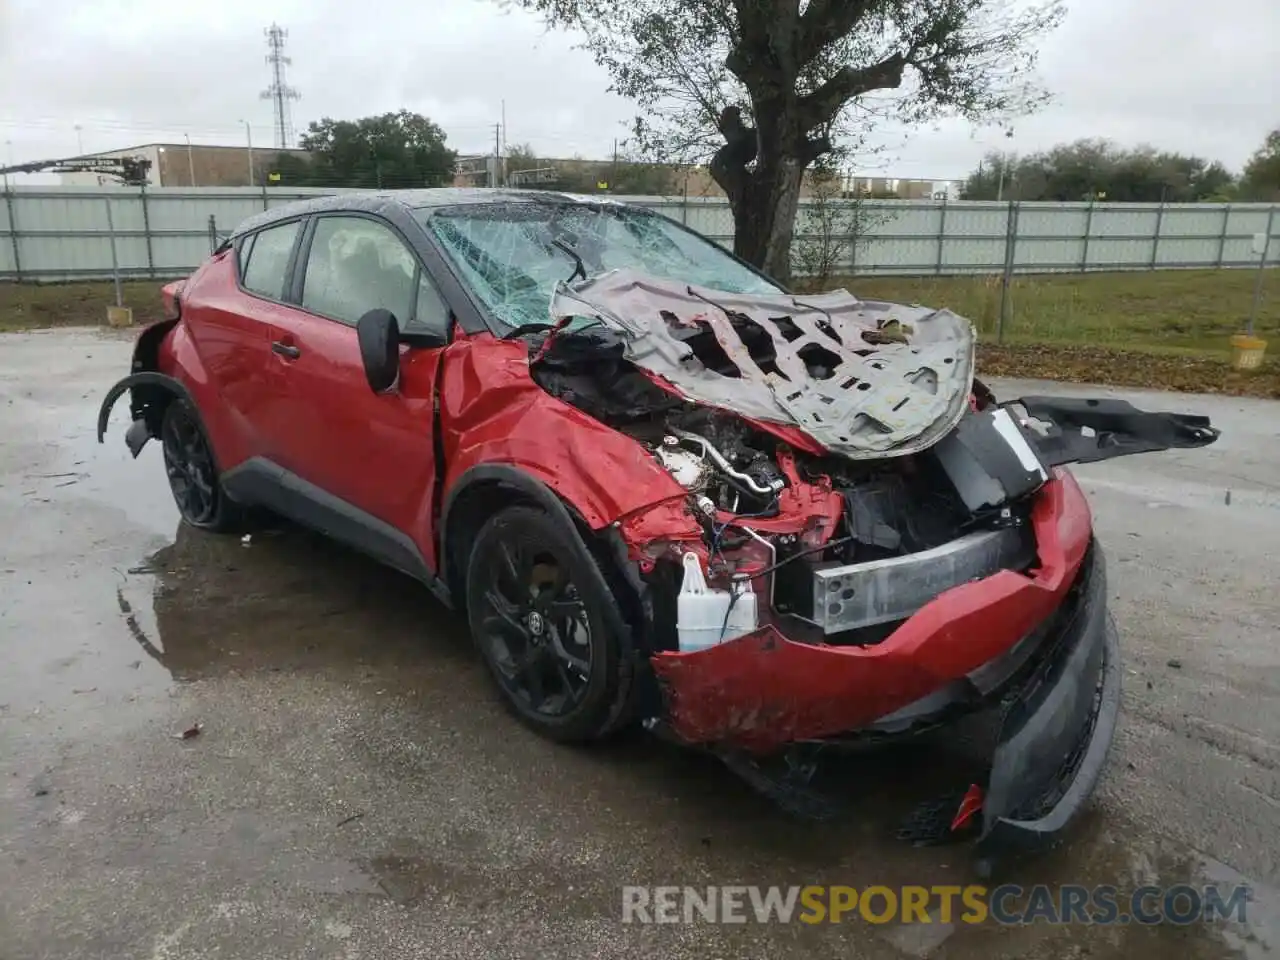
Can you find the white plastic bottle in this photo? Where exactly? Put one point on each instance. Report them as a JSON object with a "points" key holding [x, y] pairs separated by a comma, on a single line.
{"points": [[705, 616]]}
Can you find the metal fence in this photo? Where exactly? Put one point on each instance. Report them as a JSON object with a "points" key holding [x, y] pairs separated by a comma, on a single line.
{"points": [[65, 233]]}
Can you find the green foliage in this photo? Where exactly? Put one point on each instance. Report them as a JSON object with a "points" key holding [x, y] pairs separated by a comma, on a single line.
{"points": [[1261, 180], [391, 151], [1099, 170]]}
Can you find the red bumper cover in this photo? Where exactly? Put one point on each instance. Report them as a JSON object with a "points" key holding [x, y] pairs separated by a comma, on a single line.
{"points": [[762, 690]]}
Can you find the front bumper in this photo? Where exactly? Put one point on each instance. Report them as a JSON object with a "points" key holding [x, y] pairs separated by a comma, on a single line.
{"points": [[762, 691], [1058, 724]]}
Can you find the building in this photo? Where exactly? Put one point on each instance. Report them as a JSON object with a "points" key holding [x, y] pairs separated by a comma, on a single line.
{"points": [[186, 165], [585, 176]]}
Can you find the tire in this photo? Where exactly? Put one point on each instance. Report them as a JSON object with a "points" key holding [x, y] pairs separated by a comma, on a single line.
{"points": [[541, 624], [193, 472]]}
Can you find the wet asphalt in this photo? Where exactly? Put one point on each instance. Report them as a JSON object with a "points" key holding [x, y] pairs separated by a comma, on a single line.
{"points": [[358, 791]]}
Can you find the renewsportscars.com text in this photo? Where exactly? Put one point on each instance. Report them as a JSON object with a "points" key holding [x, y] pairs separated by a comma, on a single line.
{"points": [[1008, 904]]}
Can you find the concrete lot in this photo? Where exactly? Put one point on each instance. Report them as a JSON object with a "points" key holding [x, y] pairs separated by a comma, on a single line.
{"points": [[332, 689]]}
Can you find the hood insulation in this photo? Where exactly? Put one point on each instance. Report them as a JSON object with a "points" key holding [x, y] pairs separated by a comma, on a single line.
{"points": [[866, 379]]}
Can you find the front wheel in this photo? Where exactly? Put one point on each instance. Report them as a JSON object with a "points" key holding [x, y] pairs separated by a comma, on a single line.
{"points": [[193, 472], [540, 621]]}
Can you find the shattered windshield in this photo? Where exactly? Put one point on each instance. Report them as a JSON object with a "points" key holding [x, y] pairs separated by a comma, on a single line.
{"points": [[514, 254]]}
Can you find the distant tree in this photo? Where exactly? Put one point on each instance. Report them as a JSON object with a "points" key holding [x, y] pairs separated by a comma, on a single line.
{"points": [[1261, 180], [1097, 169], [393, 150]]}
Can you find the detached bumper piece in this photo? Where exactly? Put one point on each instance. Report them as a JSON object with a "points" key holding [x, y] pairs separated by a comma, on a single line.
{"points": [[1058, 726]]}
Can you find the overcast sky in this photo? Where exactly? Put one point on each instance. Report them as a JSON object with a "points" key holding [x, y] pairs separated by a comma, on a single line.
{"points": [[1179, 74]]}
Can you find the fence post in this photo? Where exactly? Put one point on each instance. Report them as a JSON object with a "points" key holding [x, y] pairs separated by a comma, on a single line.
{"points": [[213, 233], [13, 231], [1088, 230], [1262, 269], [265, 205], [1222, 237], [1155, 241], [115, 263], [1010, 256], [942, 236], [146, 229]]}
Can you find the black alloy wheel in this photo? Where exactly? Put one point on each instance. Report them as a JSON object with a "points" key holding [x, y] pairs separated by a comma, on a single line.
{"points": [[192, 472], [537, 617]]}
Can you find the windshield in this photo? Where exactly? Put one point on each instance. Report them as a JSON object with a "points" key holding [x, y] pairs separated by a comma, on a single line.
{"points": [[514, 254]]}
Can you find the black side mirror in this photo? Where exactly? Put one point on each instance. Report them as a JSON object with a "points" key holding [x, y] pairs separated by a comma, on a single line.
{"points": [[379, 336]]}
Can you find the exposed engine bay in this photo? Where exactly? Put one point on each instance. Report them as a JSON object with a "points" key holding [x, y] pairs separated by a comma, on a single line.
{"points": [[815, 542], [843, 464]]}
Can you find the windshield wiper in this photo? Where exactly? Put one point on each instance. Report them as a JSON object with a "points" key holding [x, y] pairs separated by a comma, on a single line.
{"points": [[578, 269]]}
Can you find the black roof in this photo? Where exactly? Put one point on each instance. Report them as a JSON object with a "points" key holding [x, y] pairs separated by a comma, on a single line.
{"points": [[377, 201]]}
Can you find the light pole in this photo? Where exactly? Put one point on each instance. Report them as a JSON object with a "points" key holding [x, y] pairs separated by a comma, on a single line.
{"points": [[248, 139], [191, 164], [79, 140]]}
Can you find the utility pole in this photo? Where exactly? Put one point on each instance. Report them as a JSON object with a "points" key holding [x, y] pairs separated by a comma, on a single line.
{"points": [[248, 139], [613, 171], [279, 92], [79, 140], [496, 179]]}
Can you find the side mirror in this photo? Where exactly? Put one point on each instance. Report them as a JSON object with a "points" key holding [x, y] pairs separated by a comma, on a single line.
{"points": [[379, 336]]}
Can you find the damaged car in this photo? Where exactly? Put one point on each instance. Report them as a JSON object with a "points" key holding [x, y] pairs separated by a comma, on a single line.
{"points": [[661, 488]]}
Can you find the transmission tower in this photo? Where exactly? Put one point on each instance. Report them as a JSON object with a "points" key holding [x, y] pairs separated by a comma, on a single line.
{"points": [[279, 92]]}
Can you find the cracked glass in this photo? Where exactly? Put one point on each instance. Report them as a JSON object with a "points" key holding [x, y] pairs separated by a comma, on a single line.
{"points": [[514, 254]]}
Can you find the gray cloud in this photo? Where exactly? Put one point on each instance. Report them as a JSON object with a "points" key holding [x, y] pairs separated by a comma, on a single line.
{"points": [[1173, 74]]}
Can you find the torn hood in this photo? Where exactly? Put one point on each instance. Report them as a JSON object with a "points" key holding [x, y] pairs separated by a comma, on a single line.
{"points": [[863, 378]]}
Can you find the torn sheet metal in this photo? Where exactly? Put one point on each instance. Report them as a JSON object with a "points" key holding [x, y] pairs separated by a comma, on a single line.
{"points": [[865, 379]]}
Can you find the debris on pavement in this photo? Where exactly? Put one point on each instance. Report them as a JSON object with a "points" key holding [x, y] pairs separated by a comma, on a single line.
{"points": [[190, 732], [246, 540], [351, 819], [1175, 664]]}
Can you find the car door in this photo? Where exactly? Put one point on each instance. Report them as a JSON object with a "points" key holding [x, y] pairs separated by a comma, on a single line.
{"points": [[373, 452], [228, 315]]}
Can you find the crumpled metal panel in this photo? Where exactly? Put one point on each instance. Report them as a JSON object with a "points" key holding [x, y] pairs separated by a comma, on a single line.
{"points": [[872, 398]]}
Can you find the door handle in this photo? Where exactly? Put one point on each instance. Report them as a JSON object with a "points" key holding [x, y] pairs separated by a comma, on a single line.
{"points": [[286, 350]]}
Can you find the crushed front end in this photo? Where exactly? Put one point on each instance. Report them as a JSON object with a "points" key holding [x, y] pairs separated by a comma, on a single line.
{"points": [[871, 546]]}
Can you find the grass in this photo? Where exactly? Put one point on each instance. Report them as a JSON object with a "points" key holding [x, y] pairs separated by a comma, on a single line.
{"points": [[37, 306], [1166, 329]]}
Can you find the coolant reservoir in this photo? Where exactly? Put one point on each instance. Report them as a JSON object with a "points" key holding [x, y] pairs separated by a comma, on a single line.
{"points": [[706, 617]]}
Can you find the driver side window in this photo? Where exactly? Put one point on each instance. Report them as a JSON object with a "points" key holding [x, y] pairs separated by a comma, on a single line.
{"points": [[356, 265]]}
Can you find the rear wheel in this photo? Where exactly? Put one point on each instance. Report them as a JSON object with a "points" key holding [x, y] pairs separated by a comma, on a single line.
{"points": [[192, 471], [541, 624]]}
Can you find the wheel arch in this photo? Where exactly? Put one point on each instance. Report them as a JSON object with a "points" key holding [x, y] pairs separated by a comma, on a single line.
{"points": [[486, 488]]}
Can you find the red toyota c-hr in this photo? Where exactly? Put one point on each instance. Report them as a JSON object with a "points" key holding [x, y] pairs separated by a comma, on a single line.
{"points": [[662, 488]]}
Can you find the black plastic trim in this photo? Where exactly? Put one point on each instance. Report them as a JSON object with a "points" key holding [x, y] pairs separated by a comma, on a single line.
{"points": [[143, 378], [1117, 429], [1070, 712], [262, 482]]}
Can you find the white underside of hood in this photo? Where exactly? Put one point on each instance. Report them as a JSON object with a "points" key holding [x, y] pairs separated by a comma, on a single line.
{"points": [[857, 396]]}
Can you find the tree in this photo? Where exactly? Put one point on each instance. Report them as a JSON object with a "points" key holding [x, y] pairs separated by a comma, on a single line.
{"points": [[1261, 180], [764, 88], [393, 150], [1098, 170]]}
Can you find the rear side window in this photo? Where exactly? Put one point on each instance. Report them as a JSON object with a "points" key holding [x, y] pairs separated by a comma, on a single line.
{"points": [[264, 263]]}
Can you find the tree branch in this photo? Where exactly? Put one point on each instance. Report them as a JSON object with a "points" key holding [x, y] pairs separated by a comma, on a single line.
{"points": [[825, 21], [824, 103]]}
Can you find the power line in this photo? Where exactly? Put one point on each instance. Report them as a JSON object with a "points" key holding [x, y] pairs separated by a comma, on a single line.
{"points": [[279, 91]]}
